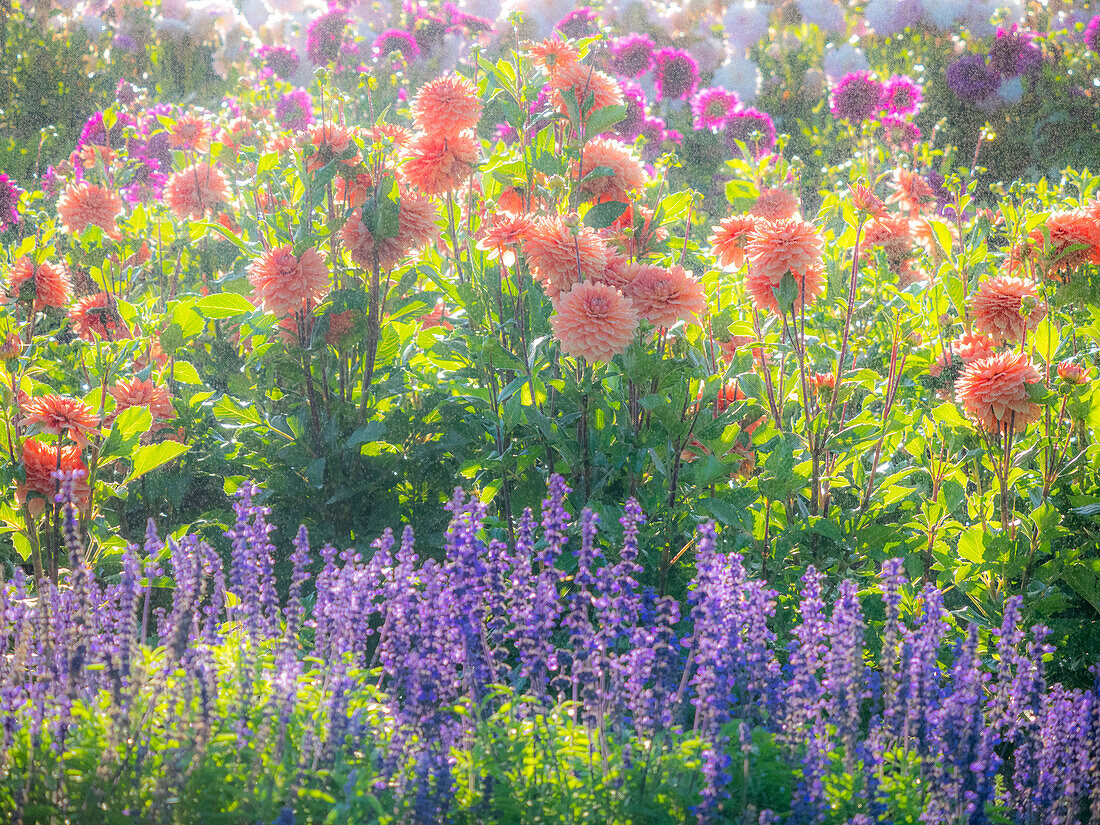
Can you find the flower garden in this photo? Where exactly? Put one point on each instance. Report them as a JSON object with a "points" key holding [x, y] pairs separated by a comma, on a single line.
{"points": [[520, 412]]}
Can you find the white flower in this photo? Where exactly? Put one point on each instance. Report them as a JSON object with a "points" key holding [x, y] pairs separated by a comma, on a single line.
{"points": [[825, 14], [740, 75], [746, 24], [842, 61]]}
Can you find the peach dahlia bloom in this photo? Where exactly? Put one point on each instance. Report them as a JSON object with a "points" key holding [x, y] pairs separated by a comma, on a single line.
{"points": [[580, 80], [416, 229], [503, 236], [48, 282], [134, 392], [554, 251], [190, 132], [997, 307], [1073, 373], [57, 414], [552, 55], [193, 191], [593, 321], [776, 205], [84, 204], [446, 106], [286, 284], [1074, 239], [728, 239], [970, 346], [40, 461], [438, 164], [627, 172], [993, 391], [664, 296], [96, 315], [777, 247], [910, 191]]}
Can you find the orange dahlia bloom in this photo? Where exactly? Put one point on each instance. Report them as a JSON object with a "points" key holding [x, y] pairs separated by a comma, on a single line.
{"points": [[84, 204], [1074, 239], [728, 239], [137, 393], [437, 164], [40, 461], [993, 391], [893, 234], [823, 382], [617, 272], [446, 106], [593, 321], [416, 229], [503, 236], [46, 282], [57, 414], [551, 55], [970, 346], [775, 248], [285, 284], [865, 200], [776, 205], [190, 132], [97, 315], [389, 131], [560, 256], [664, 296], [193, 191], [329, 142], [627, 172], [998, 308], [910, 191], [582, 81], [353, 190]]}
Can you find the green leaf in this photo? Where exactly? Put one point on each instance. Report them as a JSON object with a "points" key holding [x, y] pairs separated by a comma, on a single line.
{"points": [[603, 119], [602, 215], [151, 456], [224, 305]]}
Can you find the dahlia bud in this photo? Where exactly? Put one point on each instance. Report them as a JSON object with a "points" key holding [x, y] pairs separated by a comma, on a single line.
{"points": [[1073, 373], [864, 200], [12, 347], [823, 382], [572, 220]]}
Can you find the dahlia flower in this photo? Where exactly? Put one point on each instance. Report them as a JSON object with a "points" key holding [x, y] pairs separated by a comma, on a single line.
{"points": [[193, 191], [627, 172], [728, 240], [41, 461], [998, 309], [97, 316], [712, 106], [1073, 373], [593, 321], [775, 248], [676, 74], [857, 97], [560, 256], [84, 204], [742, 125], [190, 132], [285, 284], [903, 95], [1074, 239], [294, 110], [503, 236], [632, 55], [664, 296], [446, 106], [993, 391], [325, 35], [57, 414], [580, 81], [552, 55], [135, 392], [437, 164], [971, 78], [47, 282]]}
